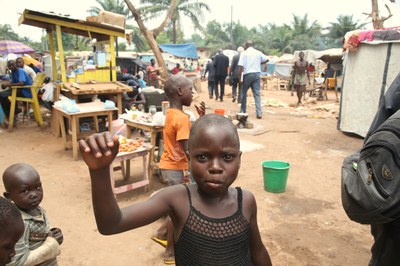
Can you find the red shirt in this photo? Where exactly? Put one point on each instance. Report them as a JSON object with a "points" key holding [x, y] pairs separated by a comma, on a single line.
{"points": [[175, 70]]}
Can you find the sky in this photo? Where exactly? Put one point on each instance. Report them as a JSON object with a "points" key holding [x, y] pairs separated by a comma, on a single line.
{"points": [[249, 13]]}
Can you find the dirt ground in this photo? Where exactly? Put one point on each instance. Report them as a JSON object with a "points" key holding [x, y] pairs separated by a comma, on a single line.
{"points": [[305, 225]]}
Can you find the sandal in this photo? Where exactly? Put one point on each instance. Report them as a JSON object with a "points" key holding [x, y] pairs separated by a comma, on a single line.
{"points": [[169, 261], [160, 241]]}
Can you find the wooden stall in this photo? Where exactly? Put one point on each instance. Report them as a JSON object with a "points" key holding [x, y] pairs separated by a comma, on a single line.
{"points": [[93, 29]]}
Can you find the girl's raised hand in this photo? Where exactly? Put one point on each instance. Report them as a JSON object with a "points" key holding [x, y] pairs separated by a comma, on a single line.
{"points": [[99, 150]]}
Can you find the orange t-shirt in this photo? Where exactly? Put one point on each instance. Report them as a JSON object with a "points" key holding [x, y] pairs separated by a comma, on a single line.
{"points": [[177, 127]]}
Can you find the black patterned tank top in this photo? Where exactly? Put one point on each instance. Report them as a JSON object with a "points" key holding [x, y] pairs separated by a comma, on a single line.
{"points": [[214, 241]]}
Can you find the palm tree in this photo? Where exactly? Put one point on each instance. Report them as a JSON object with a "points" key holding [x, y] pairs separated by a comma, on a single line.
{"points": [[279, 38], [304, 35], [337, 30], [119, 7], [217, 36], [115, 6], [192, 10], [7, 33]]}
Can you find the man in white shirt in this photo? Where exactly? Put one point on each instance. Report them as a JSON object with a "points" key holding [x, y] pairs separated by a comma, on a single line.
{"points": [[250, 68], [21, 64]]}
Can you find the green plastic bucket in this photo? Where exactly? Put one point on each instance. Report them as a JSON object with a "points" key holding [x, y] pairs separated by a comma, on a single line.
{"points": [[275, 175]]}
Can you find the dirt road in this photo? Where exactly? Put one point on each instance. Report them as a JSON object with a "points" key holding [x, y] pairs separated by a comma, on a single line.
{"points": [[303, 226]]}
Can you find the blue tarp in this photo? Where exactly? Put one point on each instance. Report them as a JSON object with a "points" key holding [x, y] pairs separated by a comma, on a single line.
{"points": [[187, 50]]}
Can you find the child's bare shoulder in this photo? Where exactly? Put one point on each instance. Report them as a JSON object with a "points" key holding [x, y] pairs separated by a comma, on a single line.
{"points": [[171, 192], [249, 200]]}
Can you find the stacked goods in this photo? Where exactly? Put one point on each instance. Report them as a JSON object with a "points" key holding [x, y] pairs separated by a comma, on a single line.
{"points": [[129, 145]]}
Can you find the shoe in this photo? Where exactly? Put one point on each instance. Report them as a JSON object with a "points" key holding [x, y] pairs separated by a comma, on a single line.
{"points": [[216, 98], [221, 99], [160, 241], [259, 117], [211, 96], [234, 99]]}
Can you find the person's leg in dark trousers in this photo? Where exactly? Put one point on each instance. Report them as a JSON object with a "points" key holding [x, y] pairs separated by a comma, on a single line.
{"points": [[240, 96], [211, 88], [6, 104], [216, 81], [222, 91], [247, 82], [235, 83]]}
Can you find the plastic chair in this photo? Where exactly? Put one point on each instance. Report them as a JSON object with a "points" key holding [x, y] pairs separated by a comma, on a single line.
{"points": [[37, 84]]}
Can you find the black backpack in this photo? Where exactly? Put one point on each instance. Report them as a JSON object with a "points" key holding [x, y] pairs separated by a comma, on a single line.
{"points": [[371, 177]]}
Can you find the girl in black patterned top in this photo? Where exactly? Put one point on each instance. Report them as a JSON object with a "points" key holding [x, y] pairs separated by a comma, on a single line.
{"points": [[214, 223]]}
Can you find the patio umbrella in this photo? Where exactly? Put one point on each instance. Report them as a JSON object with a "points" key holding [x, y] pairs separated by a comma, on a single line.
{"points": [[8, 46], [29, 60]]}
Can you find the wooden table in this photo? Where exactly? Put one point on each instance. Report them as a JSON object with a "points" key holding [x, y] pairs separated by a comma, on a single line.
{"points": [[92, 109], [126, 172], [88, 88], [153, 129]]}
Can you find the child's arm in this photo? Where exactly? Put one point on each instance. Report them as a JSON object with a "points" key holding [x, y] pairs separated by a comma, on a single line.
{"points": [[259, 254], [24, 256], [185, 146], [48, 250], [98, 151]]}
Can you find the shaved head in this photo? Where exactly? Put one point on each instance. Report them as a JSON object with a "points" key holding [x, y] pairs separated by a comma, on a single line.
{"points": [[209, 121]]}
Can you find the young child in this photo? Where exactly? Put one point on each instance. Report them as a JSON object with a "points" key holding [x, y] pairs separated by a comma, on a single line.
{"points": [[47, 93], [174, 160], [214, 224], [11, 230], [39, 243]]}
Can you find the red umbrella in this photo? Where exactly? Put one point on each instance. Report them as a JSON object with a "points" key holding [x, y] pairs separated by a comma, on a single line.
{"points": [[7, 47]]}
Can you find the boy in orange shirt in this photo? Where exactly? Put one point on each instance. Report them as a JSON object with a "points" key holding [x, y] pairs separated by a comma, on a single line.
{"points": [[174, 160]]}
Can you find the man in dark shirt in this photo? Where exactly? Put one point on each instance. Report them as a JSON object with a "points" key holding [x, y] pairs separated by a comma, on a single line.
{"points": [[221, 64], [210, 69]]}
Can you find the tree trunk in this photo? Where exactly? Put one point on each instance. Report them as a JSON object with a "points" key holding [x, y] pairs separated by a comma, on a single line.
{"points": [[151, 35], [377, 21], [174, 31]]}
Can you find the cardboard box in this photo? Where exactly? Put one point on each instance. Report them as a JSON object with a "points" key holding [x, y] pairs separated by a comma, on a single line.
{"points": [[112, 19]]}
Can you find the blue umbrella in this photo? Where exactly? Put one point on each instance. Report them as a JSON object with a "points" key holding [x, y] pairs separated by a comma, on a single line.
{"points": [[8, 46]]}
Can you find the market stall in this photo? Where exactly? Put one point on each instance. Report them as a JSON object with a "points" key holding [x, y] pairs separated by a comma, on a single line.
{"points": [[105, 28]]}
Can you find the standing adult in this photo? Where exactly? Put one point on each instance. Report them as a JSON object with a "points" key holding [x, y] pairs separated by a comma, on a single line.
{"points": [[221, 64], [250, 62], [210, 69], [234, 74], [18, 78], [300, 75], [152, 74], [21, 64]]}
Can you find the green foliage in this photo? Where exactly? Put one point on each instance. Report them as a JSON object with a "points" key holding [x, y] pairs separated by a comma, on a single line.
{"points": [[192, 9], [115, 6], [7, 33], [337, 30]]}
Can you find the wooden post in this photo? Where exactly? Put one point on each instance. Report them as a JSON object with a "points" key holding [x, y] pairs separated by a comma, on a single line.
{"points": [[113, 61], [53, 55], [61, 54]]}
